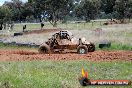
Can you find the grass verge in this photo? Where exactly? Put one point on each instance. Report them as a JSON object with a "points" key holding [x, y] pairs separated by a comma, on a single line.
{"points": [[60, 74], [115, 46], [79, 26], [8, 46]]}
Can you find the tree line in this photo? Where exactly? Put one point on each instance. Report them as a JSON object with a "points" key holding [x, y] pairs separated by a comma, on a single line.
{"points": [[60, 10]]}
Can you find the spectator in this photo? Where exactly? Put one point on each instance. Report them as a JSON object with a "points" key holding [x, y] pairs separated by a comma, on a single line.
{"points": [[4, 26], [42, 25], [24, 27], [1, 27], [12, 25]]}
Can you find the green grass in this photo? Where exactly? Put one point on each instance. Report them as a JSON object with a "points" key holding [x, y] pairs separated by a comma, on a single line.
{"points": [[129, 34], [115, 46], [79, 26], [60, 74], [68, 26], [121, 47], [7, 46], [2, 35]]}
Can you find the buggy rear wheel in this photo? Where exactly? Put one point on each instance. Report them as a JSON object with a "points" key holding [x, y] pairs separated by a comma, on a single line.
{"points": [[44, 49], [91, 48]]}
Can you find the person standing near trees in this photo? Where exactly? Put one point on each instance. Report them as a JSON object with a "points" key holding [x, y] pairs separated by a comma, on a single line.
{"points": [[42, 25], [12, 25], [1, 27], [24, 28], [4, 26]]}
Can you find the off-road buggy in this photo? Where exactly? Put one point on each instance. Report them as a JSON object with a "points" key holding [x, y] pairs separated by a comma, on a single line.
{"points": [[64, 40]]}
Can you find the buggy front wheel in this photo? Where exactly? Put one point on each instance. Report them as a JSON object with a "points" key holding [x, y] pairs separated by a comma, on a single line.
{"points": [[82, 49]]}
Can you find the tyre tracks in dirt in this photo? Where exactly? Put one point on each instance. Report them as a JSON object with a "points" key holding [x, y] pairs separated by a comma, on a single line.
{"points": [[97, 56]]}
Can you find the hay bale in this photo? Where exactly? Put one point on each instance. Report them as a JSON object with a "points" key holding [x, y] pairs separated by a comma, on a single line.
{"points": [[104, 44], [18, 34]]}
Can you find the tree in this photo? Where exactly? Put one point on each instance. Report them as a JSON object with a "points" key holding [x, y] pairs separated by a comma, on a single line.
{"points": [[16, 9], [87, 9], [5, 15], [129, 9], [120, 7], [57, 10], [53, 10], [26, 11], [38, 7], [123, 9], [107, 6]]}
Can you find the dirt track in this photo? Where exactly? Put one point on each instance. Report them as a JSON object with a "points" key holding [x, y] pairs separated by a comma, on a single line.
{"points": [[26, 55]]}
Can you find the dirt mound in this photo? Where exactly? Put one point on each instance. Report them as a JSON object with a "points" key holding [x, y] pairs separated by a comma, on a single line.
{"points": [[26, 55], [41, 31]]}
